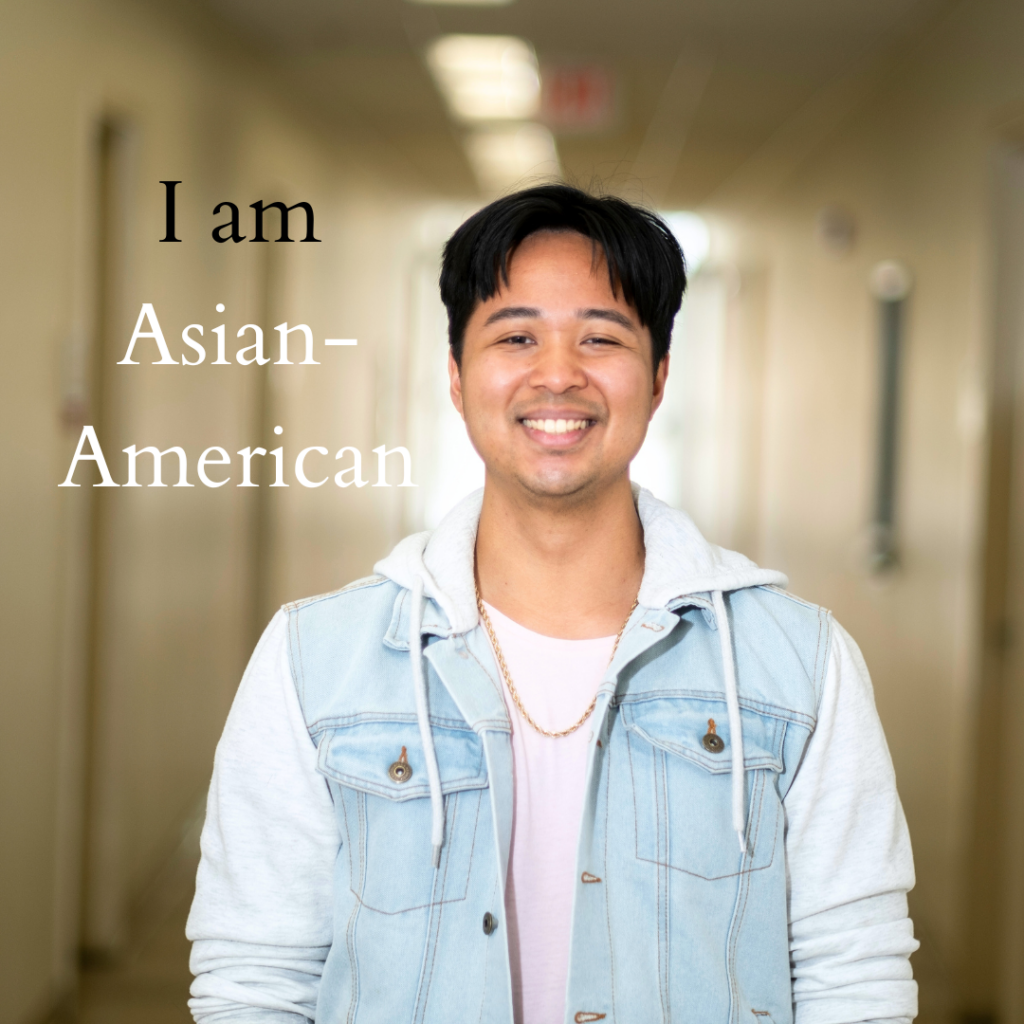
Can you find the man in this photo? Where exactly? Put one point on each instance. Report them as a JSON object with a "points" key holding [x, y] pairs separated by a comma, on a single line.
{"points": [[562, 759]]}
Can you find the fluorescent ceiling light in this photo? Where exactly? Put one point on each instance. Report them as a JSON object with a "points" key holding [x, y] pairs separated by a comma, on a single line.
{"points": [[503, 157], [691, 231], [486, 78]]}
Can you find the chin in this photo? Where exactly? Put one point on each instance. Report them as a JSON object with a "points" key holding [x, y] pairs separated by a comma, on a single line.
{"points": [[558, 485]]}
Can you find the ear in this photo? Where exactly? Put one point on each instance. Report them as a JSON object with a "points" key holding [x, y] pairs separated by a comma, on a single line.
{"points": [[660, 377], [455, 384]]}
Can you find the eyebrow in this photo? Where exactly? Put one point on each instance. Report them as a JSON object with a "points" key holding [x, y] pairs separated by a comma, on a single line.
{"points": [[512, 313], [612, 315], [593, 313]]}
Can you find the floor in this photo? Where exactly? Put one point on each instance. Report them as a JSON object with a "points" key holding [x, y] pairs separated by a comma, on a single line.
{"points": [[149, 986]]}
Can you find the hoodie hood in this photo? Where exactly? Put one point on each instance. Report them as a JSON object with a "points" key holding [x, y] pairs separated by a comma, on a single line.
{"points": [[679, 562]]}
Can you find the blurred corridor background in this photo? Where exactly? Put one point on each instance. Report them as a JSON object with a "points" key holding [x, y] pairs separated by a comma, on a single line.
{"points": [[846, 402]]}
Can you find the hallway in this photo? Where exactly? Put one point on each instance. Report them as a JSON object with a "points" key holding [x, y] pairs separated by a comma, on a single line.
{"points": [[796, 148]]}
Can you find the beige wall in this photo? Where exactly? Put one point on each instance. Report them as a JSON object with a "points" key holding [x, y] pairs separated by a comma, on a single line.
{"points": [[913, 165], [176, 612]]}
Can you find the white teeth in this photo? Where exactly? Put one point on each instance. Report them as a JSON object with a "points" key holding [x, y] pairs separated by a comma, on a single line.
{"points": [[555, 426]]}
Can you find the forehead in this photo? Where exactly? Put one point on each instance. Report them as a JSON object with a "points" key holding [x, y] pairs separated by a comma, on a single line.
{"points": [[555, 275], [566, 251], [557, 271]]}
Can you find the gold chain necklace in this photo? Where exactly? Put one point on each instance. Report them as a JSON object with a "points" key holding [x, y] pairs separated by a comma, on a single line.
{"points": [[507, 676]]}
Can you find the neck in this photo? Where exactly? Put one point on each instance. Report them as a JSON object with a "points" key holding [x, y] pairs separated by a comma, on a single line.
{"points": [[561, 569]]}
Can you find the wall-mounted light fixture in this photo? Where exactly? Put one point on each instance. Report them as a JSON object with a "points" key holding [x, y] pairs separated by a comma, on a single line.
{"points": [[890, 284]]}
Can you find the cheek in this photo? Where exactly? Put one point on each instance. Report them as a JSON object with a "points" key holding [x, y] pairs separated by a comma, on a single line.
{"points": [[489, 387], [628, 395]]}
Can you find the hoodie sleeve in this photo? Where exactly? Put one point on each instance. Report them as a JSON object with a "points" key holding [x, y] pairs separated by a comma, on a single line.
{"points": [[849, 862], [260, 923]]}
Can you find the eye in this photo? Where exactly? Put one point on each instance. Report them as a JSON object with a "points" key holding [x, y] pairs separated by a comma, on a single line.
{"points": [[600, 340], [517, 339]]}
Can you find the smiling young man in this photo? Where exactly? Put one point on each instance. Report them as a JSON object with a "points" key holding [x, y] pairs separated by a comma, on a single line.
{"points": [[561, 759]]}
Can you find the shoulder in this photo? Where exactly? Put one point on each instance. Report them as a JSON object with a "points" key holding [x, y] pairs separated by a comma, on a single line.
{"points": [[793, 635], [335, 641], [357, 605], [335, 596]]}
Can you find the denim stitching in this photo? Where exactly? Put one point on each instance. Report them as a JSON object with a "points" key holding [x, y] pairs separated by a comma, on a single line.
{"points": [[775, 589], [730, 966], [636, 815], [364, 837], [434, 923], [607, 907], [366, 581], [772, 762], [433, 902], [472, 845], [350, 936], [657, 875], [734, 931], [746, 885], [406, 910], [817, 651], [350, 932], [769, 710], [494, 683], [348, 832], [297, 680], [435, 917], [760, 821], [663, 891], [826, 657], [409, 717], [302, 666], [478, 781], [693, 874]]}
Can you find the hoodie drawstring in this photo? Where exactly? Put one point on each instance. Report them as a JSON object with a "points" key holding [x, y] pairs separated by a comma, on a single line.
{"points": [[419, 680], [739, 782], [732, 702]]}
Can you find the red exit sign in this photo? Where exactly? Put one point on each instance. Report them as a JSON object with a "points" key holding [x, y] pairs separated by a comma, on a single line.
{"points": [[577, 97]]}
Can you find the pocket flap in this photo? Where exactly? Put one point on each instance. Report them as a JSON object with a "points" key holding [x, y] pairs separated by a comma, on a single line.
{"points": [[360, 755], [679, 726]]}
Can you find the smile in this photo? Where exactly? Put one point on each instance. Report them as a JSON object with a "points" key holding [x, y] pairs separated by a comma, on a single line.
{"points": [[556, 426]]}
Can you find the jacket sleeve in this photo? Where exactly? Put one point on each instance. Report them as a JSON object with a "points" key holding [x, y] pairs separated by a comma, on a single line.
{"points": [[260, 923], [849, 862]]}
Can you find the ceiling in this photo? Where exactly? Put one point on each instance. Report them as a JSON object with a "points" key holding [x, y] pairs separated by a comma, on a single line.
{"points": [[701, 85]]}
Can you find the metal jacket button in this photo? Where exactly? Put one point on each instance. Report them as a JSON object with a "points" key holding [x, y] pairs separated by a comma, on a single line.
{"points": [[490, 923], [401, 770], [712, 741]]}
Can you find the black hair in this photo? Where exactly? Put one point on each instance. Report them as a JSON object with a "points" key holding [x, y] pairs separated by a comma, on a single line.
{"points": [[643, 257]]}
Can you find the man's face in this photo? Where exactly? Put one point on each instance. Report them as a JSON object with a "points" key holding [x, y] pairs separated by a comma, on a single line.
{"points": [[557, 384]]}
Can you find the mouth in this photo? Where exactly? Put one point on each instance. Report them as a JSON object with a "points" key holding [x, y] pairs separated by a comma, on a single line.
{"points": [[561, 432]]}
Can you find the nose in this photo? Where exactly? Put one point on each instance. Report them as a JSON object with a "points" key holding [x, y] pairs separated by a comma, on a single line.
{"points": [[558, 368]]}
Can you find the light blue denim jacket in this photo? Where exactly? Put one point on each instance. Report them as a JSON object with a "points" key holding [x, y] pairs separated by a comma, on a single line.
{"points": [[689, 916]]}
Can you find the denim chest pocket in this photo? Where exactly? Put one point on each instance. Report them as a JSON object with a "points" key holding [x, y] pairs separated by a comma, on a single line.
{"points": [[383, 800], [682, 791]]}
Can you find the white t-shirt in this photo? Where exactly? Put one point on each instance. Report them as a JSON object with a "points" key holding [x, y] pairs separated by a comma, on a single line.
{"points": [[556, 680]]}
